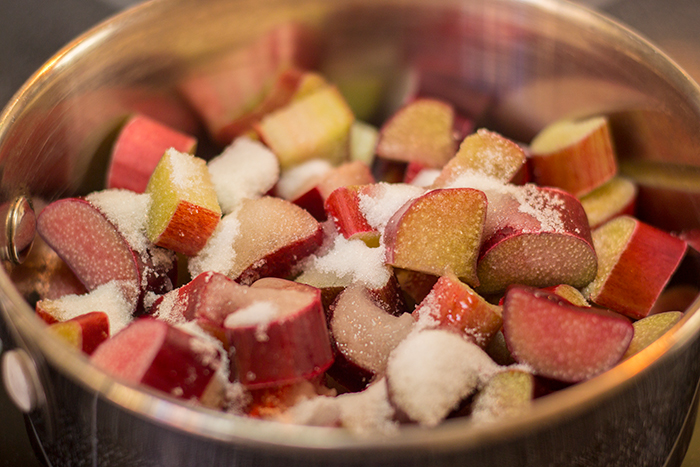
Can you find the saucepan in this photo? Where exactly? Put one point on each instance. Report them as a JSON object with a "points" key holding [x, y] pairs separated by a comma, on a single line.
{"points": [[512, 65]]}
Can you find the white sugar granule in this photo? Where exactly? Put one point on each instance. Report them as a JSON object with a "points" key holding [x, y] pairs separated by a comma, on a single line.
{"points": [[128, 211], [108, 298], [351, 261], [185, 171], [259, 314], [431, 371], [388, 198], [218, 254], [298, 179], [171, 309], [479, 181], [425, 177], [544, 206], [245, 169]]}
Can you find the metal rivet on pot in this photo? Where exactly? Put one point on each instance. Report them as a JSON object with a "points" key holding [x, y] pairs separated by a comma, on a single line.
{"points": [[21, 380], [20, 228]]}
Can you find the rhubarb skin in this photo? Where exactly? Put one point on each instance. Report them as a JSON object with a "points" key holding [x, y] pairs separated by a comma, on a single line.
{"points": [[160, 356], [343, 207], [90, 244], [85, 332], [292, 347], [576, 156], [636, 261], [184, 211], [453, 304], [559, 340], [138, 148]]}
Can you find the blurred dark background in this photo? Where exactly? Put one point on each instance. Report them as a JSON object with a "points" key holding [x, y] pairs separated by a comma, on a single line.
{"points": [[31, 31]]}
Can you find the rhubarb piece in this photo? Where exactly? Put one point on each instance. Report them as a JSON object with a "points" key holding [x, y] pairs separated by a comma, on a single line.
{"points": [[44, 275], [207, 299], [454, 305], [535, 236], [233, 92], [498, 350], [432, 371], [279, 339], [484, 153], [647, 330], [272, 402], [615, 198], [84, 332], [347, 174], [666, 193], [91, 245], [245, 169], [346, 262], [507, 394], [414, 285], [267, 237], [438, 233], [569, 293], [138, 148], [577, 156], [184, 210], [421, 132], [364, 335], [108, 298], [343, 207], [559, 340], [635, 263], [363, 141], [160, 356], [314, 127]]}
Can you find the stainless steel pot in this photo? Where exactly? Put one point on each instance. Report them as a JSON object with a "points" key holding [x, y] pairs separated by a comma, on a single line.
{"points": [[515, 64]]}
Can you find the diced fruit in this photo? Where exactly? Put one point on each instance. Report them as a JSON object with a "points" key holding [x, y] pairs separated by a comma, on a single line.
{"points": [[279, 338], [414, 285], [363, 141], [108, 298], [270, 237], [420, 132], [138, 148], [363, 334], [559, 340], [635, 262], [84, 332], [498, 350], [507, 394], [535, 236], [569, 293], [432, 371], [647, 330], [314, 127], [484, 153], [347, 174], [615, 198], [234, 91], [184, 210], [437, 233], [44, 275], [156, 354], [666, 193], [245, 169], [343, 207], [91, 245], [453, 304], [575, 155]]}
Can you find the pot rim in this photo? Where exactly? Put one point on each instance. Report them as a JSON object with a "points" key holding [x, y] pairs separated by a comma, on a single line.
{"points": [[458, 433]]}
